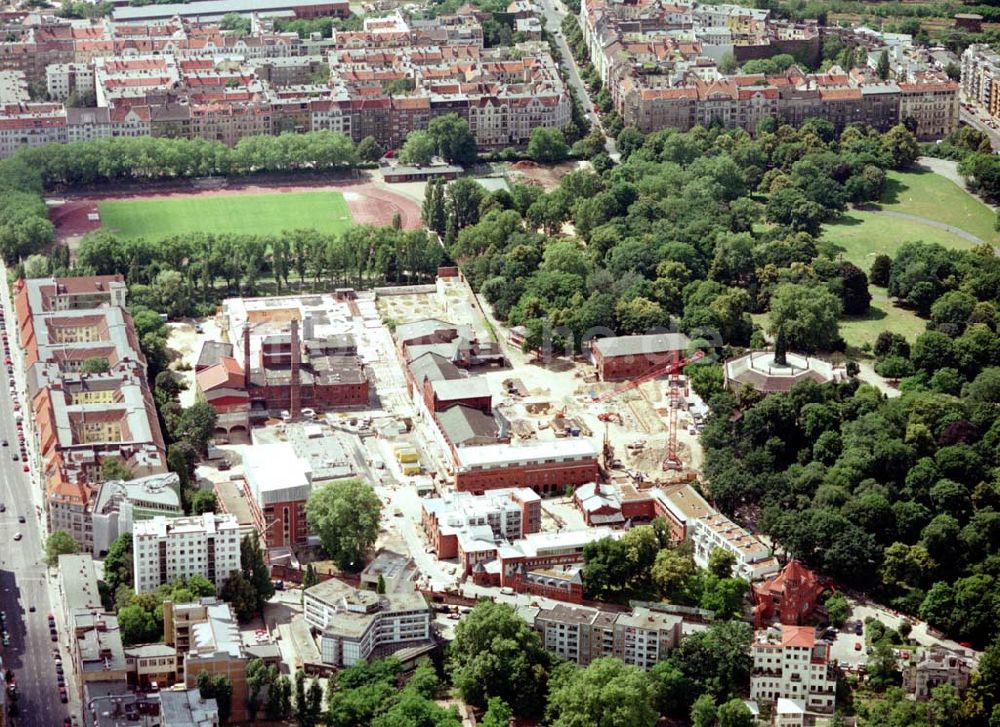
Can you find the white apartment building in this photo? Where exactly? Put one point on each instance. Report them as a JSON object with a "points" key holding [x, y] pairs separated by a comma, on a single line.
{"points": [[165, 549], [356, 624], [709, 529], [790, 664], [62, 79]]}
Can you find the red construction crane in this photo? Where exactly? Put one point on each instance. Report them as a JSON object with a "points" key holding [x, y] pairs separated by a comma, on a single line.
{"points": [[669, 369], [672, 461]]}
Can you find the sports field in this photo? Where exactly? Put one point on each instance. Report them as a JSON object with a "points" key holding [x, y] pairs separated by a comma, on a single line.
{"points": [[157, 218]]}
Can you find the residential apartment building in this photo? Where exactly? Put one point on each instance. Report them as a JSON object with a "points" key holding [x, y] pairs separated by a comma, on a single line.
{"points": [[936, 666], [356, 625], [30, 124], [181, 76], [165, 549], [64, 79], [981, 78], [789, 663], [660, 63], [640, 638], [81, 420], [95, 643]]}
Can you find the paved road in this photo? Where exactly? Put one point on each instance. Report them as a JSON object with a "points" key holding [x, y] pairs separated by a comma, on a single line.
{"points": [[23, 582], [958, 232], [554, 12], [972, 120]]}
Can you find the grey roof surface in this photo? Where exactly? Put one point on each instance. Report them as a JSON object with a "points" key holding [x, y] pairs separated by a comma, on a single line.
{"points": [[464, 388], [434, 367], [419, 329], [211, 7], [212, 352], [463, 423], [652, 343]]}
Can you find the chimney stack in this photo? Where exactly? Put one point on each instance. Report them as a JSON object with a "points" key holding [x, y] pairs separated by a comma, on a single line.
{"points": [[246, 357], [295, 393]]}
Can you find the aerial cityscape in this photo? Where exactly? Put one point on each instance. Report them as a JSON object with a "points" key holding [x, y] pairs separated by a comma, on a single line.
{"points": [[620, 363]]}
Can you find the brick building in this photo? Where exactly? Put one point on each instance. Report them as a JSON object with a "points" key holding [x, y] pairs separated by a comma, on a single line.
{"points": [[509, 514], [291, 374], [791, 596], [278, 485], [545, 467], [689, 516], [625, 357]]}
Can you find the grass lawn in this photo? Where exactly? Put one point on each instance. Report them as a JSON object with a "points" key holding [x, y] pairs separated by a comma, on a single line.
{"points": [[881, 316], [259, 214], [863, 235], [938, 198]]}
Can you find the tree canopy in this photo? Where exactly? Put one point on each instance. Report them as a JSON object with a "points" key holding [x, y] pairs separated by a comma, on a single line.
{"points": [[495, 653], [345, 515]]}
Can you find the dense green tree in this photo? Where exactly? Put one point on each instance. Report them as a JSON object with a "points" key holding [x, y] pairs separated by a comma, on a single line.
{"points": [[704, 712], [203, 501], [498, 713], [241, 595], [607, 693], [369, 150], [497, 654], [453, 139], [137, 626], [115, 469], [807, 315], [220, 688], [547, 145], [197, 424], [118, 565], [418, 149], [345, 516], [735, 713], [59, 543], [721, 562], [837, 608]]}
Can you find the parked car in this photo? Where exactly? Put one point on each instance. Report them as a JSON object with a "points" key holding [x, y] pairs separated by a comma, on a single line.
{"points": [[857, 646]]}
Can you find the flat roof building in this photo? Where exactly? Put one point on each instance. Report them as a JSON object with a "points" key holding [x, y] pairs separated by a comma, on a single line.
{"points": [[187, 708], [209, 10], [118, 505], [166, 549], [581, 634], [356, 625], [278, 485]]}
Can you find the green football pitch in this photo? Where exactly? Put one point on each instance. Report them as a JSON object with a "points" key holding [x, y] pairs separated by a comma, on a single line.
{"points": [[258, 214]]}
